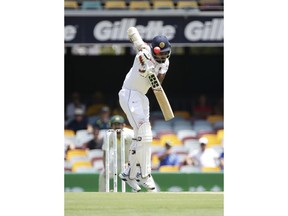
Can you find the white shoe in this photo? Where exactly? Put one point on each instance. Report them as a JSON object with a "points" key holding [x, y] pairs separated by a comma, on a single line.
{"points": [[148, 183], [134, 191], [131, 182]]}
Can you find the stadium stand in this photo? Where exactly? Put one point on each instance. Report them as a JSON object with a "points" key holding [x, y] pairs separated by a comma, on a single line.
{"points": [[180, 149], [210, 5], [212, 139], [210, 169], [115, 5], [95, 154], [163, 5], [76, 159], [202, 133], [69, 133], [189, 169], [202, 127], [157, 148], [162, 123], [177, 118], [93, 119], [218, 125], [202, 130], [214, 118], [162, 127], [202, 122], [82, 164], [182, 113], [82, 136], [75, 152], [192, 5], [183, 123], [220, 135], [191, 143], [168, 168], [84, 169], [71, 4], [182, 134], [155, 161], [178, 128], [69, 143], [171, 137], [187, 5], [185, 141], [96, 5], [182, 152], [156, 115], [139, 5], [156, 142], [218, 148], [67, 166], [98, 165], [160, 130]]}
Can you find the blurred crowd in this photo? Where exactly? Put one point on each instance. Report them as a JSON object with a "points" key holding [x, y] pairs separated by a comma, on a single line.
{"points": [[96, 106], [191, 142]]}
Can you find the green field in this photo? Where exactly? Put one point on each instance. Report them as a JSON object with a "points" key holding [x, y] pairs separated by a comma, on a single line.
{"points": [[134, 204]]}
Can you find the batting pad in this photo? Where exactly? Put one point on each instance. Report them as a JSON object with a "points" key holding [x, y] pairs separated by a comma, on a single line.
{"points": [[143, 155], [143, 150], [145, 133], [132, 160]]}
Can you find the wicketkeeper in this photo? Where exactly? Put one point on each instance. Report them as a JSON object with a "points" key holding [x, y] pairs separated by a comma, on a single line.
{"points": [[135, 104], [116, 122]]}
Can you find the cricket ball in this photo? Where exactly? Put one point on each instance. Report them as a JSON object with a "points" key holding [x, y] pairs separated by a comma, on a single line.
{"points": [[156, 50]]}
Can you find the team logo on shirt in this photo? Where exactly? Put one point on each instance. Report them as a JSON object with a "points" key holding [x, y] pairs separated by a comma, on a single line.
{"points": [[162, 44]]}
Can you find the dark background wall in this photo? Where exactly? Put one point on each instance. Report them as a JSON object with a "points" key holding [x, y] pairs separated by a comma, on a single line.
{"points": [[188, 76]]}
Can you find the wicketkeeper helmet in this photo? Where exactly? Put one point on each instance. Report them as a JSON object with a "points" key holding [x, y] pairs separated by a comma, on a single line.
{"points": [[117, 119]]}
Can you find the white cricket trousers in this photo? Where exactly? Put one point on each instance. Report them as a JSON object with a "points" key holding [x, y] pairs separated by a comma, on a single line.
{"points": [[136, 107]]}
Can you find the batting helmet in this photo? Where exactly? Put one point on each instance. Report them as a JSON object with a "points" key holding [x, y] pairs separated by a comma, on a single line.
{"points": [[160, 48]]}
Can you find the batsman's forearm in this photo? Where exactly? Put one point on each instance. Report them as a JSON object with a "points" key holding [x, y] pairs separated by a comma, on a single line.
{"points": [[161, 77]]}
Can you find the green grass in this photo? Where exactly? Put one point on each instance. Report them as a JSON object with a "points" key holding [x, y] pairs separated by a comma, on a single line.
{"points": [[144, 204]]}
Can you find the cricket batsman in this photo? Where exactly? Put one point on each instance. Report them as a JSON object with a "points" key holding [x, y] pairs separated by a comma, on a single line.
{"points": [[135, 104]]}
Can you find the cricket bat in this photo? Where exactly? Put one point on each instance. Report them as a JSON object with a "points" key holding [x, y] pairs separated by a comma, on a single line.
{"points": [[160, 95]]}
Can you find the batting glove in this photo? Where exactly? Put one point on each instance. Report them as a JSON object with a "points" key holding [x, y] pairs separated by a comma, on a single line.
{"points": [[143, 56]]}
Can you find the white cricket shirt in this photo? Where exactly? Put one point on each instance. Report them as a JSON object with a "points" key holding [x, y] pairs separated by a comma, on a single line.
{"points": [[133, 79]]}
